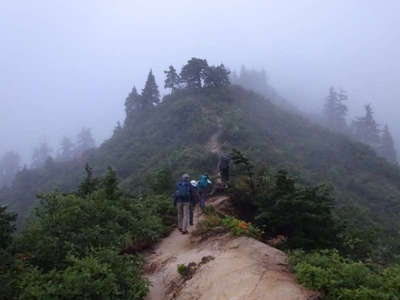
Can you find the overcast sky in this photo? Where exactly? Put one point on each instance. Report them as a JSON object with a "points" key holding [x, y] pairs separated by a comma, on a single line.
{"points": [[69, 64]]}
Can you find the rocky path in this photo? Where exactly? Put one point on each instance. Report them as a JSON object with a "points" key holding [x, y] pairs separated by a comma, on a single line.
{"points": [[241, 269], [213, 144]]}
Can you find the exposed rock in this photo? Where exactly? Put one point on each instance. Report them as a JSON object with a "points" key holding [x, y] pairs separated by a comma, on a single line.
{"points": [[242, 268]]}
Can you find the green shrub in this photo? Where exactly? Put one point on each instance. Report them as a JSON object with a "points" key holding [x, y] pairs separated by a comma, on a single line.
{"points": [[341, 278], [279, 205], [214, 223], [101, 275], [72, 247], [8, 262], [72, 224], [183, 270], [239, 228]]}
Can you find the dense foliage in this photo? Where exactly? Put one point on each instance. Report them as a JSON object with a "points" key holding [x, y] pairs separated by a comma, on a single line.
{"points": [[84, 244], [340, 278], [303, 214]]}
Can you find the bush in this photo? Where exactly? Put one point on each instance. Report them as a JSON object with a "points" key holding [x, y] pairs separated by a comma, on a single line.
{"points": [[238, 227], [72, 224], [74, 245], [101, 275], [302, 214], [183, 270], [214, 224], [8, 262], [7, 227], [341, 278]]}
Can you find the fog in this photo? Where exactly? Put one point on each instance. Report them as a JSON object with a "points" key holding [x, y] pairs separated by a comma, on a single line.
{"points": [[71, 64]]}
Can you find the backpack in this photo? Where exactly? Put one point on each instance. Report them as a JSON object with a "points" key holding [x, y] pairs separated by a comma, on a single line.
{"points": [[203, 182], [183, 190]]}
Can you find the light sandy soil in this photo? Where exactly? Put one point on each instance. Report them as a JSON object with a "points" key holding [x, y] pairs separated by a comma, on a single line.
{"points": [[243, 269], [213, 144]]}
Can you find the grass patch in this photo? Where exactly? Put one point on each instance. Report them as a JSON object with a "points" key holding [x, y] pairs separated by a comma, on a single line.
{"points": [[215, 223]]}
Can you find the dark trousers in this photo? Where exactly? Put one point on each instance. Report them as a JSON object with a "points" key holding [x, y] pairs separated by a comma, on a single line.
{"points": [[203, 198], [191, 208], [224, 175]]}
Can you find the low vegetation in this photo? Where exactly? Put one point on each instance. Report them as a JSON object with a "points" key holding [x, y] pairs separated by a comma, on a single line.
{"points": [[338, 277], [337, 250], [215, 223], [187, 271], [83, 244]]}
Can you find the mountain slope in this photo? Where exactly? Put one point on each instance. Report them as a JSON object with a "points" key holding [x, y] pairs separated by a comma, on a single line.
{"points": [[177, 134]]}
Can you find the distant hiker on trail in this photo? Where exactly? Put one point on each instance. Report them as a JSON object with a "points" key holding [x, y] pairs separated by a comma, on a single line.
{"points": [[182, 198], [203, 187], [223, 166], [195, 199]]}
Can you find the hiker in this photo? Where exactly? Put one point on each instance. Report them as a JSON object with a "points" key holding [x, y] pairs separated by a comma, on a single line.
{"points": [[203, 187], [182, 199], [195, 199], [223, 166]]}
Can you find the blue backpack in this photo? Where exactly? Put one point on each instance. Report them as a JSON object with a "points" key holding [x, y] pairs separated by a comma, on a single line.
{"points": [[203, 182], [183, 190]]}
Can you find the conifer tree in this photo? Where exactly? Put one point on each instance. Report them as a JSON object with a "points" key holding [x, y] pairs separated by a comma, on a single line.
{"points": [[216, 76], [66, 150], [366, 129], [110, 184], [90, 183], [192, 74], [150, 94], [41, 155], [335, 110], [132, 103], [387, 148], [7, 227], [172, 79], [253, 80], [85, 141], [10, 164], [234, 78]]}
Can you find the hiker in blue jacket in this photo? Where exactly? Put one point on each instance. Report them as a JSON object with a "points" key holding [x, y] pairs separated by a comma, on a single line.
{"points": [[203, 186], [182, 198]]}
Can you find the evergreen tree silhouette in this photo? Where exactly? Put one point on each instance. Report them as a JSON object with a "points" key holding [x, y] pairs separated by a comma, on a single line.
{"points": [[150, 94], [387, 149], [172, 79]]}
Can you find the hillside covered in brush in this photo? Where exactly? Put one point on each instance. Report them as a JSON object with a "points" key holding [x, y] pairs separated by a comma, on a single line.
{"points": [[173, 134], [292, 179]]}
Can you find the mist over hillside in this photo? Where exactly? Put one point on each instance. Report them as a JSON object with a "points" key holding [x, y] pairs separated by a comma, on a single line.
{"points": [[282, 116], [62, 75], [318, 184]]}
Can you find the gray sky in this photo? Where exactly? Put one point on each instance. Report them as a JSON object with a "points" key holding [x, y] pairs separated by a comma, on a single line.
{"points": [[69, 64]]}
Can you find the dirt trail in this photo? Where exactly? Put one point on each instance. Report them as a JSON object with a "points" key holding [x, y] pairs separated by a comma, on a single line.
{"points": [[213, 144], [169, 253], [242, 269]]}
